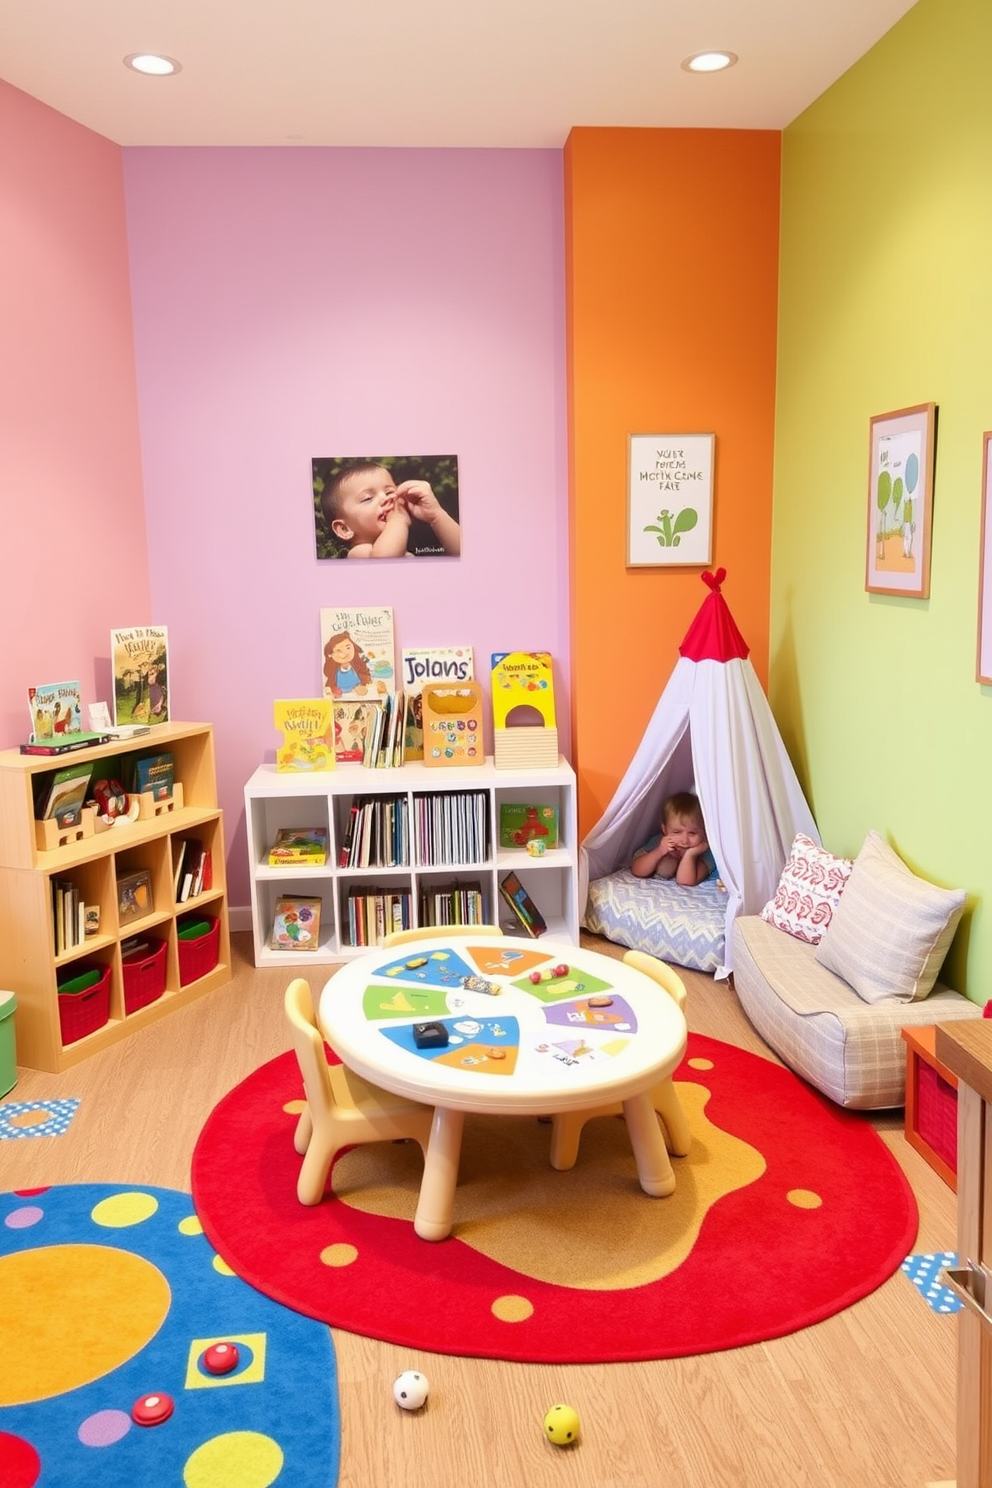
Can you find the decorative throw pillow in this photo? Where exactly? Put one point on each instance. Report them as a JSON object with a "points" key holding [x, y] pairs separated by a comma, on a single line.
{"points": [[811, 884], [891, 930]]}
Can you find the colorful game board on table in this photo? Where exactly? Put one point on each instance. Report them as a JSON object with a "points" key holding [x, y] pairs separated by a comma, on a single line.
{"points": [[443, 988]]}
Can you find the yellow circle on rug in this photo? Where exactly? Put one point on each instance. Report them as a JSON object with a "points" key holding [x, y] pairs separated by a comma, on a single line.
{"points": [[339, 1254], [122, 1210], [511, 1309], [70, 1314], [804, 1198], [246, 1458]]}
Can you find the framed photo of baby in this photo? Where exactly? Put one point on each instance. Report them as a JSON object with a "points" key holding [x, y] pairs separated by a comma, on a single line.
{"points": [[386, 506]]}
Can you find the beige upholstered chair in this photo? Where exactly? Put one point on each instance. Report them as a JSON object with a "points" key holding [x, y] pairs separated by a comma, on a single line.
{"points": [[566, 1129], [400, 937], [342, 1109]]}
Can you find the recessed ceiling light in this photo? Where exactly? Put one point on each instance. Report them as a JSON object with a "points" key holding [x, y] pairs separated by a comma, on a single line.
{"points": [[152, 65], [709, 61]]}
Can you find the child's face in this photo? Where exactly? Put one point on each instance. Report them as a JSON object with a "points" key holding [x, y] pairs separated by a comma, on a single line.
{"points": [[342, 653], [685, 832], [364, 503]]}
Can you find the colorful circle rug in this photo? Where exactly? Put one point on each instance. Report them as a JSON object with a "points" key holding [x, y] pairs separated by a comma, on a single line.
{"points": [[786, 1210], [110, 1299]]}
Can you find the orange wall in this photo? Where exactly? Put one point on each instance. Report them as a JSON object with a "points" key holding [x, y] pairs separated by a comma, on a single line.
{"points": [[671, 240]]}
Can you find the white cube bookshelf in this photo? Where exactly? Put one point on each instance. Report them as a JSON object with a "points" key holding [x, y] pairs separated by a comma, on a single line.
{"points": [[275, 799]]}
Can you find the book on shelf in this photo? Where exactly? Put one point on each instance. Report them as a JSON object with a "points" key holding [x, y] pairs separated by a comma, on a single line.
{"points": [[359, 652], [56, 710], [100, 723], [189, 869], [295, 924], [68, 915], [422, 664], [66, 744], [351, 720], [63, 795], [525, 910], [522, 677], [374, 913], [383, 748], [139, 659], [520, 823], [307, 728], [453, 903], [451, 827], [134, 895], [299, 845], [155, 774]]}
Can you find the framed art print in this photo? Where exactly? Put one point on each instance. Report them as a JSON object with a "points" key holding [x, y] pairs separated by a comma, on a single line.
{"points": [[670, 500], [984, 666], [900, 501]]}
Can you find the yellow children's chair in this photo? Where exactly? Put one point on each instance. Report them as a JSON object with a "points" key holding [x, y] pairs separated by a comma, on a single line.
{"points": [[566, 1129], [342, 1109], [419, 932]]}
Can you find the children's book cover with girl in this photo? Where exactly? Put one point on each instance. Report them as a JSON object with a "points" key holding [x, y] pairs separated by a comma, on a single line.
{"points": [[359, 657], [140, 661]]}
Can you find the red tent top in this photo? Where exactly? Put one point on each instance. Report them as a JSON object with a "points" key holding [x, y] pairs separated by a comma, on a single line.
{"points": [[713, 636]]}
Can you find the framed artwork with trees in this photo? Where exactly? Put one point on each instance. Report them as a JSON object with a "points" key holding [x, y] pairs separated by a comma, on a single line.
{"points": [[900, 501]]}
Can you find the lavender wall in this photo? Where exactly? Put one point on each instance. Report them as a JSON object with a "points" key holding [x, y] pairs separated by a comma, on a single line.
{"points": [[73, 560], [291, 303]]}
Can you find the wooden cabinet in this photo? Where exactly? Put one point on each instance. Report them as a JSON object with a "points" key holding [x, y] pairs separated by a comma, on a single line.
{"points": [[30, 964], [429, 860], [966, 1050]]}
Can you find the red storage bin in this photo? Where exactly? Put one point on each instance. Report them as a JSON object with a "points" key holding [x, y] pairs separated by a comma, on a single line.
{"points": [[84, 1012], [197, 957], [144, 975]]}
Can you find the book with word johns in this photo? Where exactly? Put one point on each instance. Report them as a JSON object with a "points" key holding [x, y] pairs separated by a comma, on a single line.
{"points": [[307, 729], [423, 664], [139, 658]]}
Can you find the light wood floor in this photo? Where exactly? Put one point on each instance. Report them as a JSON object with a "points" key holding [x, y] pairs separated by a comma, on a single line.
{"points": [[863, 1400]]}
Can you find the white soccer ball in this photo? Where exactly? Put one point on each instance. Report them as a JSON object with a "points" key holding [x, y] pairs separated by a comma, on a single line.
{"points": [[410, 1390]]}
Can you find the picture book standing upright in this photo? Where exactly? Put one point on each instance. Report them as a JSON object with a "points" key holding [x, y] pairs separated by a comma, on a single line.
{"points": [[525, 735], [423, 664], [307, 734], [140, 661]]}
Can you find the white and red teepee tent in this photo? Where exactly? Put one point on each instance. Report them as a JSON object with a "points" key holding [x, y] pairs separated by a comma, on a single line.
{"points": [[712, 732]]}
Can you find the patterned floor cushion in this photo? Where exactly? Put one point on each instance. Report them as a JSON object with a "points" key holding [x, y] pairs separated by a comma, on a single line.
{"points": [[686, 926]]}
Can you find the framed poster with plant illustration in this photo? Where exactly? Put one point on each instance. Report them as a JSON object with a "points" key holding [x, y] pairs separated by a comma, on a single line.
{"points": [[670, 500], [900, 501], [983, 671]]}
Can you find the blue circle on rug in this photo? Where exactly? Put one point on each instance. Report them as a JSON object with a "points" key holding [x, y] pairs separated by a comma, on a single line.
{"points": [[110, 1295]]}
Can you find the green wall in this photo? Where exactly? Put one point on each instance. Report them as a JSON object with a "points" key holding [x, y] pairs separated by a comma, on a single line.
{"points": [[885, 302]]}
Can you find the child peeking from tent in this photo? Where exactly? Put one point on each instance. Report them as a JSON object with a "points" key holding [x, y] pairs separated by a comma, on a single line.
{"points": [[680, 849]]}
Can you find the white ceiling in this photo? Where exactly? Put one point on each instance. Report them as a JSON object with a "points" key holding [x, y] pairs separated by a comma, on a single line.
{"points": [[516, 73]]}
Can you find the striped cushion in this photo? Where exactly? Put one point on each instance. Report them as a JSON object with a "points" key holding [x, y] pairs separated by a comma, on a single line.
{"points": [[891, 930], [657, 915], [808, 891]]}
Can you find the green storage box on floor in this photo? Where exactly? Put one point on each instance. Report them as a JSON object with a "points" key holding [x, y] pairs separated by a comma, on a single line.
{"points": [[8, 1049]]}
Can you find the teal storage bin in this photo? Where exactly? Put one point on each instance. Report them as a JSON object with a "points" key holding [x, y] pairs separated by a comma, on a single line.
{"points": [[8, 1048]]}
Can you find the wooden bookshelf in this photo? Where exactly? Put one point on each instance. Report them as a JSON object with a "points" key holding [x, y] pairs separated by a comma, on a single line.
{"points": [[460, 848], [29, 963]]}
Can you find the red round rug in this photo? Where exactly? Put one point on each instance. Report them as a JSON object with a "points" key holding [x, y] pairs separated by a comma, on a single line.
{"points": [[786, 1210]]}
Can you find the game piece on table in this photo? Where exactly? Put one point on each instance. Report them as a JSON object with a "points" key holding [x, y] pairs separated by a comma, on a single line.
{"points": [[410, 1390], [416, 961], [562, 1425], [480, 984], [430, 1035], [600, 1000]]}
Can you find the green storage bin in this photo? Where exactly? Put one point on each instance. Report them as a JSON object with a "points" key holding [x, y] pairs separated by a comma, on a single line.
{"points": [[8, 1048]]}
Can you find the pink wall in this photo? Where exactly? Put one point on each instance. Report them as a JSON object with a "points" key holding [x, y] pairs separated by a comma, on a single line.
{"points": [[298, 302], [73, 559]]}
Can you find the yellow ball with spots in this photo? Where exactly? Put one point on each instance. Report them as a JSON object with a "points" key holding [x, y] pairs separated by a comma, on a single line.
{"points": [[562, 1425]]}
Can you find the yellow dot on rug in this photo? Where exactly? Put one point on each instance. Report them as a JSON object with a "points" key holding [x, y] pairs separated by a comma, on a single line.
{"points": [[24, 1120], [70, 1314], [511, 1309], [339, 1255], [122, 1210], [804, 1198], [294, 1107], [221, 1267], [246, 1458], [190, 1226], [700, 1063]]}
